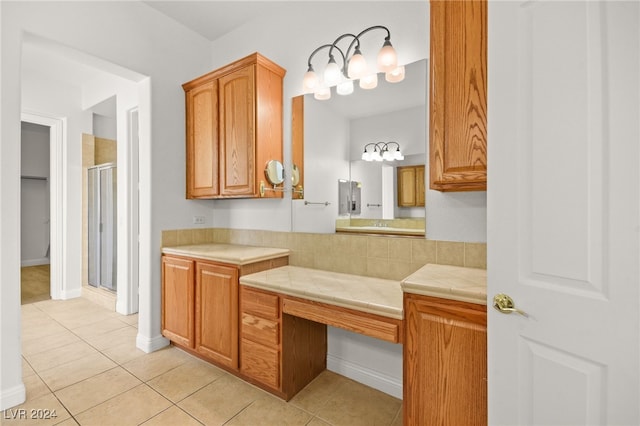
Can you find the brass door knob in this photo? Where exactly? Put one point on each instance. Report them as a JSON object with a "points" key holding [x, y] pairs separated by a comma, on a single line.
{"points": [[504, 304]]}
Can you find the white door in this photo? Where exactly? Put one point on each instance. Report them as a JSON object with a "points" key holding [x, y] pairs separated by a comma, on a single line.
{"points": [[563, 212]]}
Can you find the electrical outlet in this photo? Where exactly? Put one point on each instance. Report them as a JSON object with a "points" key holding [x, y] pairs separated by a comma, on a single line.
{"points": [[198, 220]]}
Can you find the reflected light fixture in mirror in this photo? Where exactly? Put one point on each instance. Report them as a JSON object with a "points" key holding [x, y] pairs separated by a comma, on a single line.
{"points": [[380, 151], [352, 67]]}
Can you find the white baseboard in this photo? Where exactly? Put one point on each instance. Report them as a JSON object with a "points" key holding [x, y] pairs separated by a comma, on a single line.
{"points": [[151, 345], [70, 294], [35, 262], [389, 385], [12, 397]]}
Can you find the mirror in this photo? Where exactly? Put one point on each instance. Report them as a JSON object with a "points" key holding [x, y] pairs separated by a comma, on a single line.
{"points": [[335, 133], [295, 176], [274, 172]]}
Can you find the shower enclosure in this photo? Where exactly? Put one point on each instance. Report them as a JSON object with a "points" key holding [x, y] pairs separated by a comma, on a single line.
{"points": [[102, 226]]}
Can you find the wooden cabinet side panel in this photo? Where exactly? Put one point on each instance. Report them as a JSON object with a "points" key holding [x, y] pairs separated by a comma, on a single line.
{"points": [[304, 353], [216, 313], [445, 363], [237, 133], [178, 300], [202, 141], [269, 101], [458, 99]]}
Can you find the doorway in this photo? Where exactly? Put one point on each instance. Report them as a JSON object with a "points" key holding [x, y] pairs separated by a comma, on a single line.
{"points": [[35, 281]]}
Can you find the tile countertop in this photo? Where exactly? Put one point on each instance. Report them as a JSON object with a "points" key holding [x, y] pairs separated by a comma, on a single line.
{"points": [[227, 253], [373, 295], [448, 282]]}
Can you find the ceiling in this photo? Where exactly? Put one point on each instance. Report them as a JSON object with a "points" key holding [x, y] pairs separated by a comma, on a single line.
{"points": [[213, 19]]}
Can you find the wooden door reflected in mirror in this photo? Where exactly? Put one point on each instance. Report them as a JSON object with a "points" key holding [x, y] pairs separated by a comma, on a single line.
{"points": [[297, 146]]}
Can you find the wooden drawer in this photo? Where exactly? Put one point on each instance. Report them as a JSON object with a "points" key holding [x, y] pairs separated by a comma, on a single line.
{"points": [[377, 326], [265, 305], [260, 363], [260, 330]]}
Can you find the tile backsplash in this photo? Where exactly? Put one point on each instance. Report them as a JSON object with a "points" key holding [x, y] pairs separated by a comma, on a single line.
{"points": [[374, 256]]}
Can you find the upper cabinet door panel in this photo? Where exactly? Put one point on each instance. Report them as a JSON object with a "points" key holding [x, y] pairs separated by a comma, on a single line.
{"points": [[202, 138], [458, 130], [237, 132], [234, 127]]}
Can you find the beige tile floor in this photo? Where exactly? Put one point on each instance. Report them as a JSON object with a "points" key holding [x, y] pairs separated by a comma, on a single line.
{"points": [[80, 360]]}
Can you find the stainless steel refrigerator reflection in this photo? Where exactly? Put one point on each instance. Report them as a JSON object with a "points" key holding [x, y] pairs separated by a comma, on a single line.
{"points": [[102, 226]]}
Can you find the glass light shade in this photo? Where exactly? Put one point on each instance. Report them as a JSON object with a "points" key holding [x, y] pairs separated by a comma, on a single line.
{"points": [[397, 155], [387, 155], [345, 88], [332, 73], [376, 156], [357, 66], [309, 82], [396, 75], [322, 93], [369, 81], [387, 58], [366, 156]]}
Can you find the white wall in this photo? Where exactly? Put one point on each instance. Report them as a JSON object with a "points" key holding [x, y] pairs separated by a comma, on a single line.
{"points": [[34, 201], [105, 127], [151, 45]]}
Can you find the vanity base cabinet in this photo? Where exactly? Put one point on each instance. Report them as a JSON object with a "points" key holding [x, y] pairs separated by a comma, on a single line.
{"points": [[177, 300], [278, 352], [200, 306], [445, 362], [216, 313]]}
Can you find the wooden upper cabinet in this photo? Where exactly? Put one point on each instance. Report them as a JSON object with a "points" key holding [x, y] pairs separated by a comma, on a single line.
{"points": [[458, 99], [202, 141], [234, 127], [411, 190], [237, 132]]}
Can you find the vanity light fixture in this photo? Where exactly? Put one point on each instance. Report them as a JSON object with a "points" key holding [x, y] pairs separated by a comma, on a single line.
{"points": [[382, 151], [353, 66]]}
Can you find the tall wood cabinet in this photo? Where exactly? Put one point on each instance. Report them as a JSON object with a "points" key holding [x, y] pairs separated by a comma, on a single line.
{"points": [[458, 95], [234, 127], [411, 191], [445, 362]]}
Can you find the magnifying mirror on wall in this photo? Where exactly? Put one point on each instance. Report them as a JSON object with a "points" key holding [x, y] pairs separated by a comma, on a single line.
{"points": [[274, 172]]}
